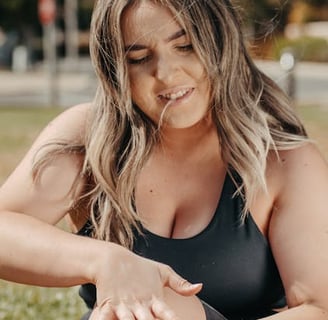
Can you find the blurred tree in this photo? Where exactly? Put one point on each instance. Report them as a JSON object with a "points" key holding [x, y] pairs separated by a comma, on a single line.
{"points": [[17, 14], [266, 17], [318, 3], [85, 10], [310, 10], [20, 20], [263, 18]]}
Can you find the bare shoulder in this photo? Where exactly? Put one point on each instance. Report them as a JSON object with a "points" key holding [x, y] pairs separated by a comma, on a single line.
{"points": [[304, 155], [69, 125], [300, 180], [300, 169]]}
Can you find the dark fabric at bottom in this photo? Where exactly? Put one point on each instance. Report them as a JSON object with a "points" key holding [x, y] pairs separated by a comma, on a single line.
{"points": [[87, 315], [211, 314]]}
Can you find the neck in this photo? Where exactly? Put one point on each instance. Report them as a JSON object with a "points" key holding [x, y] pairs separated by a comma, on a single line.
{"points": [[191, 140]]}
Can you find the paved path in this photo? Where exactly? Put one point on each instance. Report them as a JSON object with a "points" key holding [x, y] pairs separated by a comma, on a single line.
{"points": [[31, 88], [311, 81]]}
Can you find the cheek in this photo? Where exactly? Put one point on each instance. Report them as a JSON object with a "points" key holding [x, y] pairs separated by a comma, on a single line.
{"points": [[200, 76], [136, 87], [137, 80], [141, 87], [203, 76], [140, 96]]}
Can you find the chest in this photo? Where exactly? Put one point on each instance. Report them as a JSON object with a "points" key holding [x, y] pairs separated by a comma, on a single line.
{"points": [[232, 260], [178, 200]]}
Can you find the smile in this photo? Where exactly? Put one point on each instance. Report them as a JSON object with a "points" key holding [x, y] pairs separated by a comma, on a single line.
{"points": [[176, 95]]}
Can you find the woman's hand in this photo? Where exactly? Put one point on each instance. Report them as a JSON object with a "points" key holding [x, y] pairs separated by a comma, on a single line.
{"points": [[132, 287]]}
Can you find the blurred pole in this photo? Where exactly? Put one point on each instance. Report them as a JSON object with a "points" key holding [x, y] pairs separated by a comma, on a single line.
{"points": [[50, 54], [288, 64], [71, 30], [47, 14]]}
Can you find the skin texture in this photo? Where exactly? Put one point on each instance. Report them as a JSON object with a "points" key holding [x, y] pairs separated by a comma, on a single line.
{"points": [[292, 214]]}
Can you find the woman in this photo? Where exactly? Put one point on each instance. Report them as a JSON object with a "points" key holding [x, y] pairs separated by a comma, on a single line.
{"points": [[189, 159]]}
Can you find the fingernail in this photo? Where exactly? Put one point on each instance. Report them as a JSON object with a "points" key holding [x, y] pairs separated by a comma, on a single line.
{"points": [[195, 285]]}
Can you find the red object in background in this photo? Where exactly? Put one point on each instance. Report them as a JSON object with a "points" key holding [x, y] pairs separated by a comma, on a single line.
{"points": [[47, 11]]}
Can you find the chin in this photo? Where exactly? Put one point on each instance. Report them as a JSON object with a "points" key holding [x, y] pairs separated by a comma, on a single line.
{"points": [[184, 123]]}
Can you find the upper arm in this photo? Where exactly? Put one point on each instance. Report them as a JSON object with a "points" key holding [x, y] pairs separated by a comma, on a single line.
{"points": [[298, 231], [50, 198]]}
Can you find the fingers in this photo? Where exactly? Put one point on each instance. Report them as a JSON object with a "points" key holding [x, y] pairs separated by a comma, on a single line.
{"points": [[104, 312], [123, 312], [157, 310], [180, 285], [141, 312], [161, 311]]}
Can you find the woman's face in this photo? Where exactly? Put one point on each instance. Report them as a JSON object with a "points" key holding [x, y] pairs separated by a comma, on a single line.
{"points": [[163, 67]]}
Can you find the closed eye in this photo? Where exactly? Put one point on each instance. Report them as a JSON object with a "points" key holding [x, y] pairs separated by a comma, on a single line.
{"points": [[188, 47], [139, 61], [185, 48]]}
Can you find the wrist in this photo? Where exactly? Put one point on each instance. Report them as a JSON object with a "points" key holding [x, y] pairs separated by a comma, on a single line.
{"points": [[102, 258]]}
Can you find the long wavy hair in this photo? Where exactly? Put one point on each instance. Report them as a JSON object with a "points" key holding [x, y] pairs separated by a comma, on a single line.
{"points": [[251, 113]]}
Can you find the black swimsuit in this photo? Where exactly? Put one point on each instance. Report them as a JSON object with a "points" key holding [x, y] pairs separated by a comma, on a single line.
{"points": [[233, 260]]}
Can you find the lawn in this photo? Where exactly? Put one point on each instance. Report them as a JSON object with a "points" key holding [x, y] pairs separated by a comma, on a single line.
{"points": [[18, 128], [316, 123]]}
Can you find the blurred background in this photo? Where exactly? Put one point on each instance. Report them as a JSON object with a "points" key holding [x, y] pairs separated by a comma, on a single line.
{"points": [[45, 67]]}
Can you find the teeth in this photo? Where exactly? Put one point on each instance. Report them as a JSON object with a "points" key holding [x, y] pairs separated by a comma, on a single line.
{"points": [[174, 96]]}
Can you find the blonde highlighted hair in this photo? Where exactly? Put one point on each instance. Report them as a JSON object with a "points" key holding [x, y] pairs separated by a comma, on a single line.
{"points": [[251, 113]]}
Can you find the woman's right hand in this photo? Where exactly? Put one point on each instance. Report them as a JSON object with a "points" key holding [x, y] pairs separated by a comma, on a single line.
{"points": [[132, 287]]}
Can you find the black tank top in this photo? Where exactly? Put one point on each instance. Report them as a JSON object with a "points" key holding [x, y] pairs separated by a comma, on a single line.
{"points": [[233, 260]]}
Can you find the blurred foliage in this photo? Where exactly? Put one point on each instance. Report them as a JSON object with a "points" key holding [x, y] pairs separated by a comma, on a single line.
{"points": [[18, 14], [263, 19], [318, 3], [304, 48], [19, 19], [266, 16], [15, 14]]}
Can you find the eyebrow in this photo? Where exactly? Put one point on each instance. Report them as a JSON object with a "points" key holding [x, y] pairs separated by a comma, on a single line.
{"points": [[137, 47], [176, 35]]}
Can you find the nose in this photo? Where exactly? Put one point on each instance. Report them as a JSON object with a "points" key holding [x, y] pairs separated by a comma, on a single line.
{"points": [[165, 68]]}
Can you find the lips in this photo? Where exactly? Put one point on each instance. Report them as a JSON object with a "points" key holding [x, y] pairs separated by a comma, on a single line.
{"points": [[175, 94]]}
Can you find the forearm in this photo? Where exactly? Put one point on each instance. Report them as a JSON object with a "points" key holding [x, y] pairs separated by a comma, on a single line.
{"points": [[33, 252], [302, 312]]}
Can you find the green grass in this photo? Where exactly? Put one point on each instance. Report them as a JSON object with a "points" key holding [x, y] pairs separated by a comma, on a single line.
{"points": [[314, 115], [316, 123], [18, 128], [20, 302]]}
